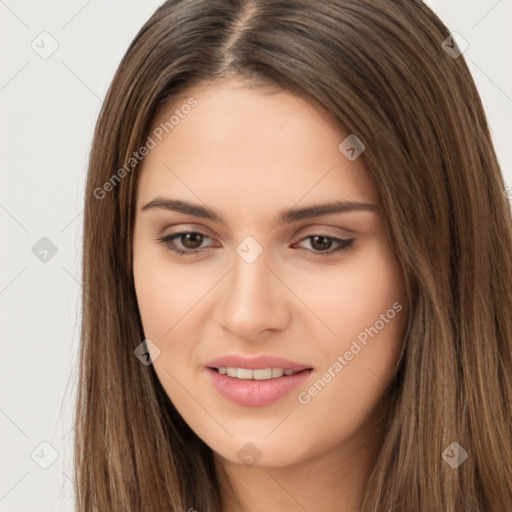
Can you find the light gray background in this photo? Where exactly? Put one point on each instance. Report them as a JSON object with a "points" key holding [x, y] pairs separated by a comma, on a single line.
{"points": [[48, 111]]}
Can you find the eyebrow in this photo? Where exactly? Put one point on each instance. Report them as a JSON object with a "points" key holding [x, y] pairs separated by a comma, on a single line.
{"points": [[285, 217]]}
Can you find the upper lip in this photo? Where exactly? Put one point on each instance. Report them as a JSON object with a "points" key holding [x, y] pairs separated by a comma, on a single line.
{"points": [[256, 363]]}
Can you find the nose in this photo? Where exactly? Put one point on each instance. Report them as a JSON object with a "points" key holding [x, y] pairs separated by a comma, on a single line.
{"points": [[254, 302]]}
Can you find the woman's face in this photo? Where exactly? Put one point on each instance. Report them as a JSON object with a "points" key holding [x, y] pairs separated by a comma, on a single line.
{"points": [[277, 273]]}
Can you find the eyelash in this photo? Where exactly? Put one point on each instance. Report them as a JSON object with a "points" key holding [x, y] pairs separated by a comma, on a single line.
{"points": [[345, 244]]}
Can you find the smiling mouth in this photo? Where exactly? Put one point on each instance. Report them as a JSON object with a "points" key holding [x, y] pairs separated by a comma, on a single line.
{"points": [[258, 374]]}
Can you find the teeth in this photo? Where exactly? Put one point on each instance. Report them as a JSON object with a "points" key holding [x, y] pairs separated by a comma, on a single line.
{"points": [[262, 374], [241, 373], [246, 374]]}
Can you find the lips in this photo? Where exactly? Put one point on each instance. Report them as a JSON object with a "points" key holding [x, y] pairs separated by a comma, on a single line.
{"points": [[252, 392], [255, 393], [256, 363]]}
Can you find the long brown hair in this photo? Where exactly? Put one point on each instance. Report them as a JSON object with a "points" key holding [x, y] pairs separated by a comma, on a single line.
{"points": [[381, 69]]}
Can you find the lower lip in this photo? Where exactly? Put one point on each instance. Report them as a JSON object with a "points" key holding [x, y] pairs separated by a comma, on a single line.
{"points": [[256, 393]]}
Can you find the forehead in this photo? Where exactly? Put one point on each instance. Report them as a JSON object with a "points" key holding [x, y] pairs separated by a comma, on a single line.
{"points": [[244, 145]]}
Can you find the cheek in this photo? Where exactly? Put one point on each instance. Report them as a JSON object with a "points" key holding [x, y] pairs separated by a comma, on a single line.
{"points": [[364, 304], [155, 299], [346, 298], [165, 292], [375, 314]]}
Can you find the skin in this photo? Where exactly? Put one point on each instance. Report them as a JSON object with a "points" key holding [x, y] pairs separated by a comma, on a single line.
{"points": [[248, 154]]}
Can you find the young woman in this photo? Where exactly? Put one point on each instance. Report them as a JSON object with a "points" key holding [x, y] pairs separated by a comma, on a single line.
{"points": [[297, 269]]}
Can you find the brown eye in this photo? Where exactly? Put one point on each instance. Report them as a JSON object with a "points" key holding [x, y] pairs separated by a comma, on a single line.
{"points": [[184, 243], [191, 240], [323, 244]]}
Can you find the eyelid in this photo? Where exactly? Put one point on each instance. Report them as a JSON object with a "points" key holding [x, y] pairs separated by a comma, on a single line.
{"points": [[188, 228], [323, 229]]}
